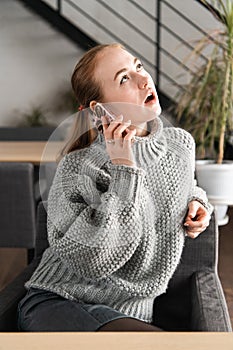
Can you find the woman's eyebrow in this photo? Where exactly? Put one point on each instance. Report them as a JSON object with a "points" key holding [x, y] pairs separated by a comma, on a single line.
{"points": [[124, 69]]}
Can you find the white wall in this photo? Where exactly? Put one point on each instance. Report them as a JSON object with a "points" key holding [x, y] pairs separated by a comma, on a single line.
{"points": [[35, 62]]}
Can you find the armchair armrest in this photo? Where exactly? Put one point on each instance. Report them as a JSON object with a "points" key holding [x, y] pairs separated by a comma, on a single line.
{"points": [[209, 308], [10, 297]]}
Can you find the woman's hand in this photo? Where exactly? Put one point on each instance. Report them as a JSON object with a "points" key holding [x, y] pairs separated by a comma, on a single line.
{"points": [[119, 141], [197, 219]]}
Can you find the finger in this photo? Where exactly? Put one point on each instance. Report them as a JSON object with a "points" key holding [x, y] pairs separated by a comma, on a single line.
{"points": [[104, 123], [129, 137], [193, 235], [196, 230], [201, 221], [192, 210], [190, 223], [120, 131], [195, 227], [109, 128], [114, 123]]}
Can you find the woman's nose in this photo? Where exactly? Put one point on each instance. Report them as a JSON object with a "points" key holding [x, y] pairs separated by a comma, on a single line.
{"points": [[142, 81]]}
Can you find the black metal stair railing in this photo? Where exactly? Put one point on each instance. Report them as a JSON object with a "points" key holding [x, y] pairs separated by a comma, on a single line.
{"points": [[160, 49], [56, 16], [156, 66], [113, 35]]}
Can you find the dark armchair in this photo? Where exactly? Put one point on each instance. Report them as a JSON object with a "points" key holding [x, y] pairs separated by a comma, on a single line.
{"points": [[194, 300], [17, 206]]}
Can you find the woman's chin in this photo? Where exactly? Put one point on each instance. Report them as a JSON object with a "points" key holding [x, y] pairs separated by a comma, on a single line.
{"points": [[157, 110]]}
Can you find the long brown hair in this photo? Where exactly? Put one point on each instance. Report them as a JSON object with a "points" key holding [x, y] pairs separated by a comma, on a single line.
{"points": [[86, 89]]}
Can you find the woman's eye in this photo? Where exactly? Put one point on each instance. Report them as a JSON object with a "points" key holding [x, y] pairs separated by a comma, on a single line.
{"points": [[124, 79], [139, 66]]}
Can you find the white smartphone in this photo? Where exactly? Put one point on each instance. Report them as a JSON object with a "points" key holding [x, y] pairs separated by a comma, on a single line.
{"points": [[100, 111]]}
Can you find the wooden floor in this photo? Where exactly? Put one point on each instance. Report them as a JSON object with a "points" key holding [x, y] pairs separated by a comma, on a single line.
{"points": [[13, 261]]}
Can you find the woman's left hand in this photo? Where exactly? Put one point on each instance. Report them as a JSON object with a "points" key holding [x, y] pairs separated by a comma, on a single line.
{"points": [[197, 219]]}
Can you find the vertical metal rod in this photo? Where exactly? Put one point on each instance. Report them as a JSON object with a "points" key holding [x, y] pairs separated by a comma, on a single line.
{"points": [[59, 6], [158, 27]]}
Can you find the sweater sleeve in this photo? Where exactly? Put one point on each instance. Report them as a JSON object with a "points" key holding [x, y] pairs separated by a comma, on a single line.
{"points": [[95, 231], [184, 144], [199, 195]]}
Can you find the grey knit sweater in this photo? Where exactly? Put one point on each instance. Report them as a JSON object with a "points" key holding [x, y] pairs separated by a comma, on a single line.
{"points": [[116, 232]]}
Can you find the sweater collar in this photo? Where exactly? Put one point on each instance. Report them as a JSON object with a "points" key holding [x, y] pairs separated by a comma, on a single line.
{"points": [[155, 128], [147, 149]]}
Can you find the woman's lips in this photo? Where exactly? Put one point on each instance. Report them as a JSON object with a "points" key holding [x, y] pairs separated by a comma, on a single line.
{"points": [[150, 100]]}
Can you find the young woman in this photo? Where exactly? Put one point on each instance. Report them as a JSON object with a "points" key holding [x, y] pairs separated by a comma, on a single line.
{"points": [[121, 203]]}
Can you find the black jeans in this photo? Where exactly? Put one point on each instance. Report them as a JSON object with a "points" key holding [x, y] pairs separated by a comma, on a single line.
{"points": [[42, 311]]}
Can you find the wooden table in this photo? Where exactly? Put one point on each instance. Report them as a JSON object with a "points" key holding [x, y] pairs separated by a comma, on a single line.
{"points": [[117, 340], [29, 151]]}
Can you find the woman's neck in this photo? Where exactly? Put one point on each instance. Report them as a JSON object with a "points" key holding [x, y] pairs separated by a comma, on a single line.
{"points": [[141, 130]]}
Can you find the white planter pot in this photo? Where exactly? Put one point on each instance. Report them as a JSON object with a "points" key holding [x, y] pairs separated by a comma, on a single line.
{"points": [[217, 181], [221, 213]]}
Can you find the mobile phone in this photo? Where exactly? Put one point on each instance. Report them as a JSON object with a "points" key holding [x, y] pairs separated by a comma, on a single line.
{"points": [[100, 111]]}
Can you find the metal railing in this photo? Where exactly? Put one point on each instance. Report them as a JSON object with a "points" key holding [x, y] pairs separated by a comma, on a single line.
{"points": [[185, 43], [152, 40]]}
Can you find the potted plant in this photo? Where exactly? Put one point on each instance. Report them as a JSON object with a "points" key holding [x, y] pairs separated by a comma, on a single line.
{"points": [[37, 124], [33, 126], [206, 108]]}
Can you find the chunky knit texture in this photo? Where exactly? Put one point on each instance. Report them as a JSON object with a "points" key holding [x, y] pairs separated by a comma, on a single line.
{"points": [[116, 232]]}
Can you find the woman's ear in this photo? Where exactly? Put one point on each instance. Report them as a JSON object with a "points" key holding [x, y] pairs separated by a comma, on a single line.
{"points": [[92, 105]]}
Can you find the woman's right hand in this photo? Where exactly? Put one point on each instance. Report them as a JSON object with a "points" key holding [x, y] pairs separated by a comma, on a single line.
{"points": [[119, 140]]}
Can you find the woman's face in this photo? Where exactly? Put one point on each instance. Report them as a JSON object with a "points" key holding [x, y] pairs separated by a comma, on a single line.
{"points": [[123, 79]]}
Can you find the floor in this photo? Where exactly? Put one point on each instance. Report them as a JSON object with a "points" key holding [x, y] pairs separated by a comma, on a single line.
{"points": [[225, 266], [13, 261]]}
